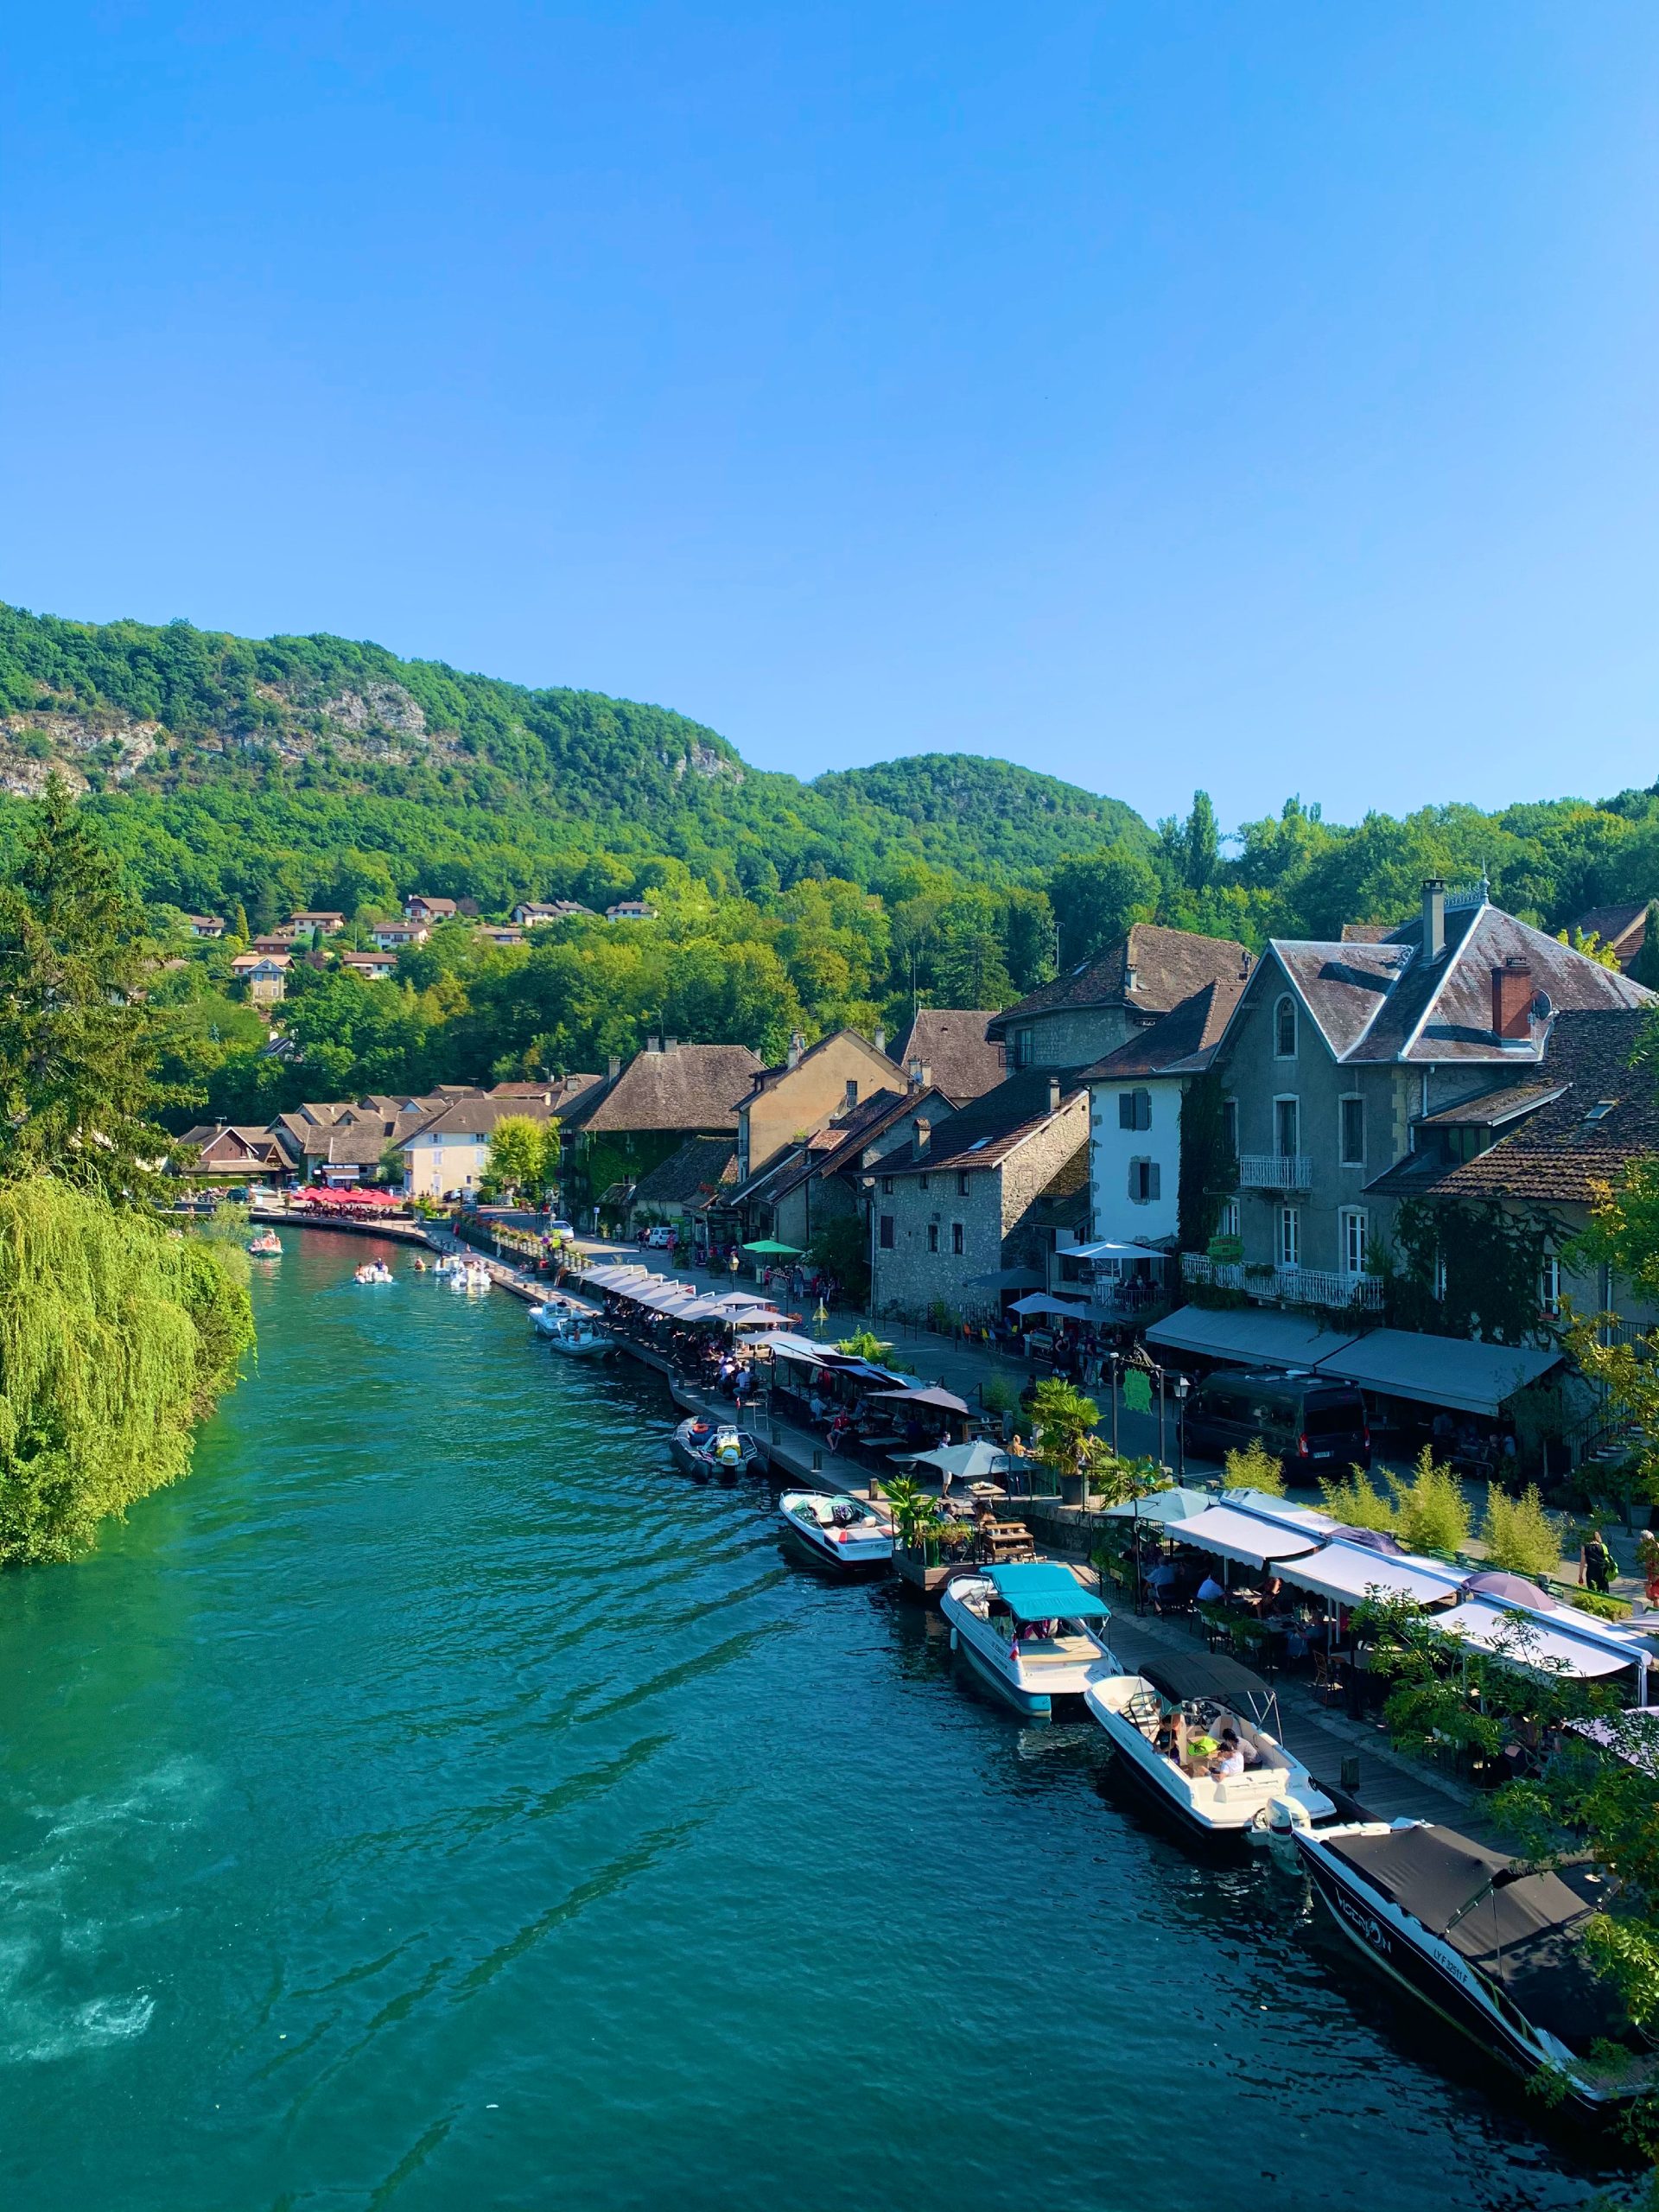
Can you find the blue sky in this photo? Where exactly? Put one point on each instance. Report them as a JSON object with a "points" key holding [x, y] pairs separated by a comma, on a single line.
{"points": [[1158, 395]]}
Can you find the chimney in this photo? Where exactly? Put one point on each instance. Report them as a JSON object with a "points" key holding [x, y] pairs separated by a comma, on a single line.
{"points": [[653, 1044], [797, 1046], [921, 1130], [851, 1098], [614, 1068], [880, 1039], [1053, 1094], [1512, 1001], [1131, 976], [1434, 916], [671, 1044]]}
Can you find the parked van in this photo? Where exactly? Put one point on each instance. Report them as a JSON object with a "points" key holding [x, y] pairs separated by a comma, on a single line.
{"points": [[662, 1238], [1313, 1425]]}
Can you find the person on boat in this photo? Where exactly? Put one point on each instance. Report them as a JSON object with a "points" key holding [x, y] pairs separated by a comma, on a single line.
{"points": [[1200, 1750], [1230, 1758], [1171, 1739], [1232, 1741]]}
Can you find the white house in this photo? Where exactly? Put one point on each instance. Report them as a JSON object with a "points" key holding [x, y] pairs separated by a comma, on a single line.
{"points": [[449, 1155], [391, 937]]}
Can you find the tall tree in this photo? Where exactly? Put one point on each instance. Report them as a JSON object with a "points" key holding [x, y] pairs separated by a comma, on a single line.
{"points": [[78, 1039], [1202, 842]]}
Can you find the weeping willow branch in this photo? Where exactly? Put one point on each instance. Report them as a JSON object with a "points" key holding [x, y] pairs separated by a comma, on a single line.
{"points": [[117, 1335]]}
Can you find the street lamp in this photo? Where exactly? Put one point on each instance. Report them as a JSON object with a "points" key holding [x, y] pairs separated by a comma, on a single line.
{"points": [[1183, 1383], [1115, 1360]]}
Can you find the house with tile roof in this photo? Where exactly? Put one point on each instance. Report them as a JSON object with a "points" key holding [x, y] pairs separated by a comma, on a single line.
{"points": [[807, 1089], [1622, 929], [953, 1212], [950, 1047], [1338, 1055], [643, 1111], [445, 1156], [679, 1191], [1101, 1003], [236, 1152]]}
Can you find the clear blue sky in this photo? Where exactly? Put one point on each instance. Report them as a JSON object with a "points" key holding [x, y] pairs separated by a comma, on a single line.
{"points": [[1160, 395]]}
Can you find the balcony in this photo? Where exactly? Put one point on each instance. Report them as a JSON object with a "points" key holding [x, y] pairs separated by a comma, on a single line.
{"points": [[1318, 1286], [1274, 1171], [1225, 1274]]}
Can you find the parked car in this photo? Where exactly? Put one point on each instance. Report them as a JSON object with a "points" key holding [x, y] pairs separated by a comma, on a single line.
{"points": [[561, 1231], [1313, 1424], [662, 1238]]}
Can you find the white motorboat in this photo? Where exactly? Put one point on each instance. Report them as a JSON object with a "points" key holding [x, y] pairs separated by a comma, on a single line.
{"points": [[470, 1276], [1170, 1723], [719, 1449], [1491, 1945], [576, 1334], [839, 1533], [374, 1271], [1029, 1630]]}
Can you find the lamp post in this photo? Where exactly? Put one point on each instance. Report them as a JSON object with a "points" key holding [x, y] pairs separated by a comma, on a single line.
{"points": [[1158, 1372], [1115, 1360], [1183, 1383]]}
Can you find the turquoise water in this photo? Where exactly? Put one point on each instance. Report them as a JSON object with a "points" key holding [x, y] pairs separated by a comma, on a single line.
{"points": [[439, 1801]]}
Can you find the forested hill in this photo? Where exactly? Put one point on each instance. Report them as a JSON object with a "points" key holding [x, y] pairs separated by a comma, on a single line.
{"points": [[229, 766]]}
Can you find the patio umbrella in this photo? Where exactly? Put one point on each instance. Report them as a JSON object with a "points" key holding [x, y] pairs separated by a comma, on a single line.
{"points": [[769, 1249], [969, 1462], [1509, 1589], [1040, 1302], [942, 1401], [1163, 1505], [1374, 1540]]}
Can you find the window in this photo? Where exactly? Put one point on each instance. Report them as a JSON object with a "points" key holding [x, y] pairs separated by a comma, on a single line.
{"points": [[1351, 1228], [958, 1239], [1135, 1110], [1284, 1028], [1227, 1224], [1351, 1131], [886, 1186], [1022, 1048], [962, 1182], [921, 1182], [1287, 1127], [1146, 1180], [1439, 1275], [1290, 1236], [884, 1232], [1230, 1124], [1550, 1287], [932, 1236]]}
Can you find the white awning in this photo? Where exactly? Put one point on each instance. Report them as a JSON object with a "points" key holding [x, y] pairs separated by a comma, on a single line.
{"points": [[1348, 1574], [1523, 1641], [1241, 1537], [1452, 1371], [1260, 1339]]}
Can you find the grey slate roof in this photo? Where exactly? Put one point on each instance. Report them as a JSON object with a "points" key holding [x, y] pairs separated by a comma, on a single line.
{"points": [[985, 1131], [1169, 965], [700, 1168]]}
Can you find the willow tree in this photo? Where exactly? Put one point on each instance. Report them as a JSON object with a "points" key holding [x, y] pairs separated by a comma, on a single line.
{"points": [[116, 1336]]}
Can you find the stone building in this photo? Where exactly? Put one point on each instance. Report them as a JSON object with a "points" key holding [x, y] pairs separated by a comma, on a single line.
{"points": [[1102, 1003]]}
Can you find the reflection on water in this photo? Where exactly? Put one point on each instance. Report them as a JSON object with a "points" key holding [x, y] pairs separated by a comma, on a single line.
{"points": [[439, 1801]]}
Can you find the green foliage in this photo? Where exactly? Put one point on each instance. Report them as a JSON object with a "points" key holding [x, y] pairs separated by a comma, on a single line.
{"points": [[998, 1395], [1591, 946], [1493, 1261], [1518, 1533], [115, 1335], [1063, 1420], [1254, 1468], [838, 1247], [864, 1344], [1208, 1169], [1357, 1502], [917, 1520], [523, 1156], [1430, 1511]]}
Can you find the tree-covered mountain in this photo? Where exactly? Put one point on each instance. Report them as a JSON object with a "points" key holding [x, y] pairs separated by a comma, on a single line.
{"points": [[221, 762]]}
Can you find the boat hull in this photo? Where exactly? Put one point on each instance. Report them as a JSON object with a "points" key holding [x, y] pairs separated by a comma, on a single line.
{"points": [[989, 1656], [847, 1560]]}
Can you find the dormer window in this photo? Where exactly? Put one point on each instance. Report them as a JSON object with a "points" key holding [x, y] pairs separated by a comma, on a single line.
{"points": [[1284, 1028]]}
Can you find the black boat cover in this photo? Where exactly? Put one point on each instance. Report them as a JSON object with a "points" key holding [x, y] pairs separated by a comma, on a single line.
{"points": [[1183, 1674], [1520, 1930]]}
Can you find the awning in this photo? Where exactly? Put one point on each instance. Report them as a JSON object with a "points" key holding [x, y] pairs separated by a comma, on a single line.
{"points": [[1241, 1537], [1349, 1574], [961, 1462], [1523, 1641], [1040, 1302], [1257, 1338], [1041, 1590], [786, 1345], [1469, 1378], [943, 1402], [1165, 1506]]}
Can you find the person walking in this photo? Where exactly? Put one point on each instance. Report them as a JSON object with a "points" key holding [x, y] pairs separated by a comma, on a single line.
{"points": [[1596, 1564]]}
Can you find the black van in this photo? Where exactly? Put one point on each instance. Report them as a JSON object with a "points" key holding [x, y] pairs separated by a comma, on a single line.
{"points": [[1315, 1426]]}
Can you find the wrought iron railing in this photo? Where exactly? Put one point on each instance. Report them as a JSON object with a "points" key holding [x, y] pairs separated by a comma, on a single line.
{"points": [[1274, 1171]]}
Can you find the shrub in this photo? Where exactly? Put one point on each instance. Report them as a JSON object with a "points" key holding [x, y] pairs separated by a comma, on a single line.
{"points": [[1254, 1468], [998, 1395], [1606, 1609], [1063, 1418], [1357, 1502], [1431, 1513], [864, 1344], [1518, 1533]]}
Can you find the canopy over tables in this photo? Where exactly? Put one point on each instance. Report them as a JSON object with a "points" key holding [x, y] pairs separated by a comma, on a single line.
{"points": [[1107, 1248], [351, 1194], [768, 1248], [1244, 1537], [1523, 1641], [943, 1402], [1348, 1574], [960, 1462], [1042, 1590], [1165, 1506], [1040, 1302]]}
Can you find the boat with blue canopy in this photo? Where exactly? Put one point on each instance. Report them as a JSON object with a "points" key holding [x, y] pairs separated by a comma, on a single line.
{"points": [[1029, 1630]]}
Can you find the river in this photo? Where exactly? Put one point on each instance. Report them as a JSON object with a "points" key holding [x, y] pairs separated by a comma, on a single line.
{"points": [[438, 1802]]}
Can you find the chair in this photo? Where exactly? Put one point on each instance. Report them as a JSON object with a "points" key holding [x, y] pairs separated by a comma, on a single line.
{"points": [[1325, 1683]]}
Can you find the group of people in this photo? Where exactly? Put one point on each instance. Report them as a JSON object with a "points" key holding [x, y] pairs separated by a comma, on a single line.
{"points": [[1197, 1752]]}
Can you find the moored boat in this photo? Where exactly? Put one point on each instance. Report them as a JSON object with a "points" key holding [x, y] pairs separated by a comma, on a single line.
{"points": [[716, 1450], [575, 1334], [1491, 1945], [1029, 1630], [1201, 1732], [374, 1271], [839, 1533], [268, 1245]]}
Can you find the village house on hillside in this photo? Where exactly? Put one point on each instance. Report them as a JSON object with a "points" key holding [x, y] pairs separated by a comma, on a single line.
{"points": [[641, 1113], [447, 1154], [1622, 929], [1101, 1003]]}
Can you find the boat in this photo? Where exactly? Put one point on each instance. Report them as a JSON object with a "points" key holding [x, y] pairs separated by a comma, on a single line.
{"points": [[470, 1275], [1490, 1943], [1029, 1630], [1182, 1701], [839, 1533], [374, 1271], [268, 1245], [717, 1448], [577, 1334]]}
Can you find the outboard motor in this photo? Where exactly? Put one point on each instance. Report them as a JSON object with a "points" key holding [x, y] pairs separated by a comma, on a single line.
{"points": [[1275, 1825]]}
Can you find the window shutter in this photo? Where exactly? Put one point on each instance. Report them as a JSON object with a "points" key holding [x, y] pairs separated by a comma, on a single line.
{"points": [[1134, 1182], [1143, 1110], [1154, 1178], [1126, 1109]]}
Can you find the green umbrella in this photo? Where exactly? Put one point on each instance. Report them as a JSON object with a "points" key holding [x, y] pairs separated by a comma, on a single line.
{"points": [[769, 1249]]}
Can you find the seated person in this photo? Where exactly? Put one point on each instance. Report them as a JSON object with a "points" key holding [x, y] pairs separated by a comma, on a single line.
{"points": [[1171, 1739], [1211, 1591], [1162, 1583], [1230, 1758]]}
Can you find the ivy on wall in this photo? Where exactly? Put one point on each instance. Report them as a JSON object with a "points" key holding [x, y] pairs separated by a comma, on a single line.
{"points": [[1493, 1261], [1209, 1170]]}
